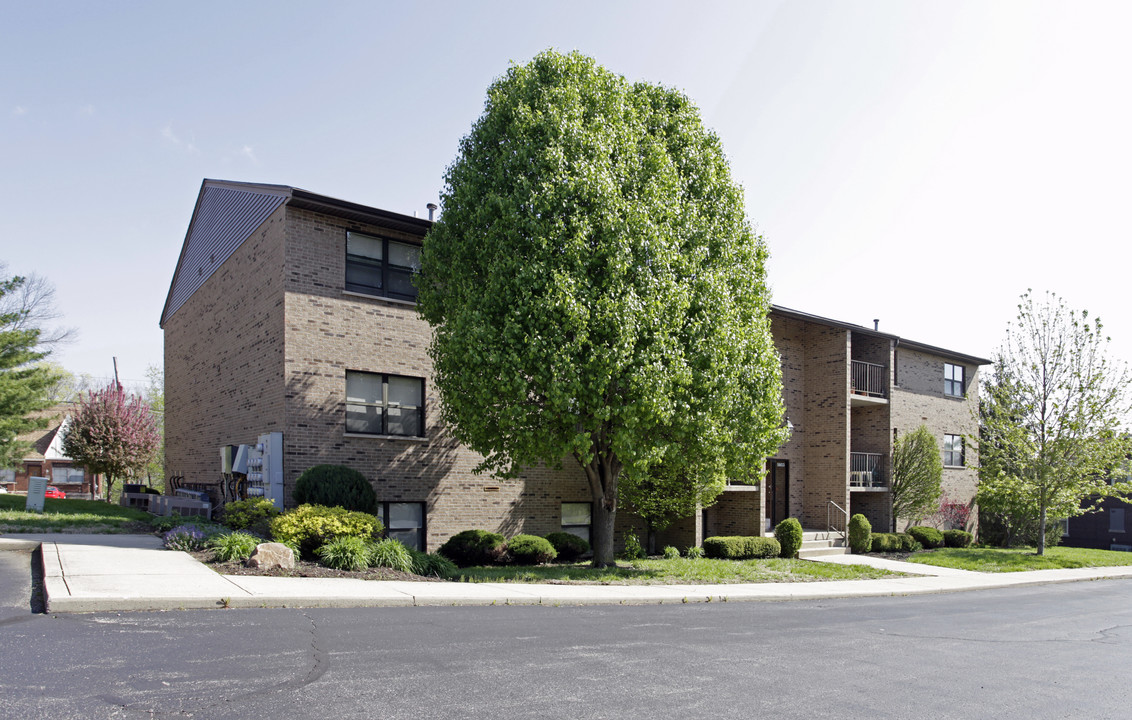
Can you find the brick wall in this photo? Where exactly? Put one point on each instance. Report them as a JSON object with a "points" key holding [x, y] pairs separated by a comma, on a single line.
{"points": [[224, 357], [826, 421]]}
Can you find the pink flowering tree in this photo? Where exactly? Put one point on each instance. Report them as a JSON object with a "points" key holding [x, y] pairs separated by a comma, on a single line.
{"points": [[113, 433]]}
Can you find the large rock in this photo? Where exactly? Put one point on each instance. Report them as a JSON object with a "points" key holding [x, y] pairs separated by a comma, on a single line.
{"points": [[272, 555]]}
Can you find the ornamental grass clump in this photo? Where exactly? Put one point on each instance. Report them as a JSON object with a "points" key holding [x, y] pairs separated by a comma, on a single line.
{"points": [[433, 565], [184, 537], [228, 547], [671, 553], [391, 554], [347, 552]]}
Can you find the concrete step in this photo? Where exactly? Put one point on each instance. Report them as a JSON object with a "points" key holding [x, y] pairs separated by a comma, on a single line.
{"points": [[812, 552]]}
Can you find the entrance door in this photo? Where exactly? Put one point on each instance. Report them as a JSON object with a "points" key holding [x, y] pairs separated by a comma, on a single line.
{"points": [[778, 490]]}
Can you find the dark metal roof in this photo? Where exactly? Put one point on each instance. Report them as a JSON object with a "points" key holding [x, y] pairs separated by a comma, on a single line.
{"points": [[227, 213], [862, 330]]}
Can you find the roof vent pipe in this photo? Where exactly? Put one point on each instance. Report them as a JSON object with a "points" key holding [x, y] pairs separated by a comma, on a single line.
{"points": [[876, 321], [431, 209]]}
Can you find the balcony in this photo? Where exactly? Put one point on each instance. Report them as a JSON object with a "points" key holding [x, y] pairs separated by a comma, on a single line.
{"points": [[868, 471], [868, 383]]}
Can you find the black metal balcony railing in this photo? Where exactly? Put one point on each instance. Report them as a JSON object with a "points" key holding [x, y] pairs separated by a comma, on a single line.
{"points": [[869, 379], [867, 470]]}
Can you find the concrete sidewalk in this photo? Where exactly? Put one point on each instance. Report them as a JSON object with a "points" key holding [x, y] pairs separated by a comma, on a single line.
{"points": [[87, 573]]}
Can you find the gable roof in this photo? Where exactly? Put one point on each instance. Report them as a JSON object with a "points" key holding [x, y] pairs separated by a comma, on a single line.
{"points": [[46, 443], [227, 213]]}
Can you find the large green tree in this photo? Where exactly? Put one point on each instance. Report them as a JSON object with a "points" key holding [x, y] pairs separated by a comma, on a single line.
{"points": [[25, 382], [917, 476], [1053, 417], [596, 291]]}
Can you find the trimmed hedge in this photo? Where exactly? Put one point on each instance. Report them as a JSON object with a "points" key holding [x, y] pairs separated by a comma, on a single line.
{"points": [[894, 542], [474, 547], [335, 486], [957, 538], [569, 547], [741, 547], [308, 527], [859, 532], [789, 535], [929, 537], [530, 550]]}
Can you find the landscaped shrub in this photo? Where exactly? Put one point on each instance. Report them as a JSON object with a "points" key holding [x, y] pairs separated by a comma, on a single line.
{"points": [[633, 549], [569, 547], [335, 486], [474, 547], [739, 547], [184, 537], [909, 543], [671, 553], [859, 531], [789, 534], [694, 553], [530, 550], [957, 538], [308, 527], [233, 546], [253, 514], [347, 552], [884, 542], [929, 537], [432, 565]]}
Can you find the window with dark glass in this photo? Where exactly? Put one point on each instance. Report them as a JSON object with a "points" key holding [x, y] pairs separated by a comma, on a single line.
{"points": [[378, 404], [405, 522], [953, 380], [380, 266], [576, 519], [1116, 520], [953, 450]]}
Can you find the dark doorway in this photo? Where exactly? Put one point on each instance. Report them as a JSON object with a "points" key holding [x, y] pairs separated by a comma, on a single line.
{"points": [[778, 490]]}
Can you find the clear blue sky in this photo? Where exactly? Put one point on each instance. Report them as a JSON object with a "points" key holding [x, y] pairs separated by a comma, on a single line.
{"points": [[919, 162]]}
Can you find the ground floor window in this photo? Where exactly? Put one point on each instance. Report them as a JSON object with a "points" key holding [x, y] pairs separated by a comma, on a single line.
{"points": [[67, 475], [576, 519], [379, 404], [1116, 520], [953, 450], [405, 521]]}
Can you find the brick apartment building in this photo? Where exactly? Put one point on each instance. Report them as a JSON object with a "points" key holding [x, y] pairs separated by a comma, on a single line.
{"points": [[294, 312]]}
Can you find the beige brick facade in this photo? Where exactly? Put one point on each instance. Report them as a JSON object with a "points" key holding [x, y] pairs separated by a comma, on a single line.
{"points": [[265, 342]]}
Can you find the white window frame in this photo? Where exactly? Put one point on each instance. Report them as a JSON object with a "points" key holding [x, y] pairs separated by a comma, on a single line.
{"points": [[951, 382], [954, 446]]}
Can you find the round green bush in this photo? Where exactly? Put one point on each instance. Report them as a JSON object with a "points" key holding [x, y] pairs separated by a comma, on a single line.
{"points": [[789, 535], [957, 538], [569, 547], [908, 543], [253, 514], [530, 550], [883, 542], [474, 547], [859, 531], [929, 537], [335, 486], [308, 527]]}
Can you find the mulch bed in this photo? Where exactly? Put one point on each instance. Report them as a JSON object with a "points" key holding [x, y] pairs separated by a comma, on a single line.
{"points": [[305, 568]]}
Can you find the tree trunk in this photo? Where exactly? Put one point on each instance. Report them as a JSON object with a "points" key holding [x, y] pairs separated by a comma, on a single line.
{"points": [[1042, 530], [602, 471], [603, 522]]}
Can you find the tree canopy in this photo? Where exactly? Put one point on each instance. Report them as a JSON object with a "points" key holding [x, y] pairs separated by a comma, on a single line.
{"points": [[596, 291], [25, 382], [113, 433], [1053, 417], [917, 476]]}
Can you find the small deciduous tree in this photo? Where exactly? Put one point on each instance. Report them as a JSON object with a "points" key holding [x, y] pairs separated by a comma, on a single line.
{"points": [[113, 433], [1052, 418], [917, 475], [596, 291]]}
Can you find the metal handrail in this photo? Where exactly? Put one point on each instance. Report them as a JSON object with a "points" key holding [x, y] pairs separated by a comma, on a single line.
{"points": [[831, 517], [869, 379]]}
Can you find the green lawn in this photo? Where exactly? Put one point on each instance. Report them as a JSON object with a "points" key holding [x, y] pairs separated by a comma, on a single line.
{"points": [[1019, 559], [656, 571], [90, 516]]}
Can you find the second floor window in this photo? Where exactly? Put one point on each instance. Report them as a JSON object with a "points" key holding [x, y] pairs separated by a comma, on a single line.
{"points": [[953, 380], [378, 404], [380, 266], [953, 450]]}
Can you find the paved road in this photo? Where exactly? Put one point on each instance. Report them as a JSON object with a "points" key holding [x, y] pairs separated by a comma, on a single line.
{"points": [[1056, 651]]}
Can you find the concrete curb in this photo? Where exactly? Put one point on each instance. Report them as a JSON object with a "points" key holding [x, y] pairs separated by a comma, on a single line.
{"points": [[134, 575]]}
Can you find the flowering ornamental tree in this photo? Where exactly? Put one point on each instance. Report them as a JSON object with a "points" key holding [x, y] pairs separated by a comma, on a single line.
{"points": [[113, 433]]}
